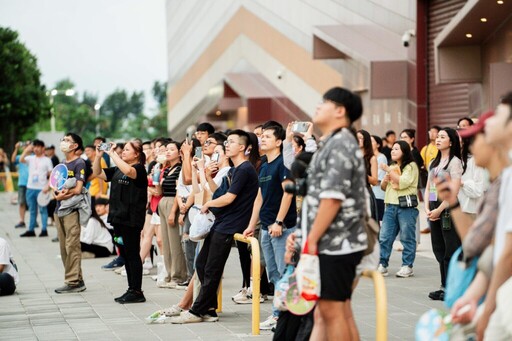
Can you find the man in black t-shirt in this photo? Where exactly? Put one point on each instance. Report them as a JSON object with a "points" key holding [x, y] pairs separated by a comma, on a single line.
{"points": [[236, 207], [68, 226]]}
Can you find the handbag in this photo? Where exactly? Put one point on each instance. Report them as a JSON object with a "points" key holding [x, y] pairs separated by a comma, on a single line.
{"points": [[308, 275], [406, 201], [459, 277], [201, 226]]}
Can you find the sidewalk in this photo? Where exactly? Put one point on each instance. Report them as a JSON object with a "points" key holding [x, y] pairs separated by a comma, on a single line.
{"points": [[35, 312]]}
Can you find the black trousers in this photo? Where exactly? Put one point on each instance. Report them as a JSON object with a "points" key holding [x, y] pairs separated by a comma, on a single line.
{"points": [[7, 286], [99, 251], [209, 267], [444, 243], [131, 254], [245, 263]]}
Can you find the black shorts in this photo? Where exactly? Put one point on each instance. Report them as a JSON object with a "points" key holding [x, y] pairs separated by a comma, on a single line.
{"points": [[337, 274], [22, 195]]}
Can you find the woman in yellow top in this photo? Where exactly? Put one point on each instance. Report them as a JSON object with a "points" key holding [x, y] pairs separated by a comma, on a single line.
{"points": [[401, 186]]}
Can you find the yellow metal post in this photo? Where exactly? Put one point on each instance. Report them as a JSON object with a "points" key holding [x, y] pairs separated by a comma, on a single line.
{"points": [[219, 298], [381, 332]]}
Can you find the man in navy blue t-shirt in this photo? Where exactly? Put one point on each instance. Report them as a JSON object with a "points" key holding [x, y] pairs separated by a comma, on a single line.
{"points": [[275, 208], [234, 214]]}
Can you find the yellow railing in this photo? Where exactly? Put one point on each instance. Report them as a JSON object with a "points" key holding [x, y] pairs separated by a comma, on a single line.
{"points": [[381, 331], [255, 250]]}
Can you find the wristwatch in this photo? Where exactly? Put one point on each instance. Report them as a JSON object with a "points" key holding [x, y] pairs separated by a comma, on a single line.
{"points": [[279, 222]]}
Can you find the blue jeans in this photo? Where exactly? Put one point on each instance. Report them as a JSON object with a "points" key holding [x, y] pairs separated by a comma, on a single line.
{"points": [[398, 220], [273, 251], [32, 206]]}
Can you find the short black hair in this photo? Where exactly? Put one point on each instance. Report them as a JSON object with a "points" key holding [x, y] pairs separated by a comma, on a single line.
{"points": [[244, 136], [38, 143], [279, 132], [469, 119], [101, 138], [390, 132], [90, 146], [205, 126], [145, 143], [77, 139], [436, 127], [347, 99], [271, 124], [219, 137]]}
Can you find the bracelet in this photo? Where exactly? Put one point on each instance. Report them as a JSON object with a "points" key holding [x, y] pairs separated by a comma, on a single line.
{"points": [[454, 206]]}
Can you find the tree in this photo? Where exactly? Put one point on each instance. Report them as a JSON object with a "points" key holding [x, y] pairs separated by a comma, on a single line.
{"points": [[118, 113], [23, 99], [158, 123]]}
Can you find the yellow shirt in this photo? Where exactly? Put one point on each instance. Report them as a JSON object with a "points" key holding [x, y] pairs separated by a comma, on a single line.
{"points": [[428, 153], [94, 189], [408, 184]]}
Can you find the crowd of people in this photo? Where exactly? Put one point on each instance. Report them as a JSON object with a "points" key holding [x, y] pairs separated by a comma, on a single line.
{"points": [[295, 194]]}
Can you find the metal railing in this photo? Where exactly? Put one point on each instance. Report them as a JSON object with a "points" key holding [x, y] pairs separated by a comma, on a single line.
{"points": [[381, 303]]}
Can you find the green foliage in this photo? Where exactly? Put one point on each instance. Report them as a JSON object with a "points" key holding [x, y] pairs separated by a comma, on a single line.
{"points": [[158, 122], [22, 96]]}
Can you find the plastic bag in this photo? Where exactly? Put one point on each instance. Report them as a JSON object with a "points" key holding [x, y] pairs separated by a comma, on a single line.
{"points": [[282, 288], [308, 276], [201, 226]]}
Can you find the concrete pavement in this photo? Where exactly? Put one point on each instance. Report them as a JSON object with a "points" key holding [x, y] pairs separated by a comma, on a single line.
{"points": [[35, 312]]}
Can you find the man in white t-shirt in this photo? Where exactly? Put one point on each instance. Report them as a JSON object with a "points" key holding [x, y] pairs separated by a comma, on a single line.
{"points": [[8, 274], [498, 131], [39, 168]]}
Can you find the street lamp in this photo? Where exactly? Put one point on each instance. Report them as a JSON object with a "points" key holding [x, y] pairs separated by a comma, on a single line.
{"points": [[97, 108], [52, 94]]}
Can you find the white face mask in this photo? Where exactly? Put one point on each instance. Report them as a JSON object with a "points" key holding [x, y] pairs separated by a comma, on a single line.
{"points": [[64, 146], [161, 158]]}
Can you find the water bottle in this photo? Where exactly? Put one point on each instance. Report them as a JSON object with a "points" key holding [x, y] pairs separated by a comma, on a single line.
{"points": [[118, 240], [156, 174]]}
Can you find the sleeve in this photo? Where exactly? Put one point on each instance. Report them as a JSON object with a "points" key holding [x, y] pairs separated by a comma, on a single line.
{"points": [[339, 165], [28, 159], [49, 165], [284, 173], [381, 173], [288, 156], [455, 168], [474, 187], [409, 175], [103, 163], [423, 155], [238, 181], [142, 177], [109, 173], [311, 145], [79, 170], [4, 253], [87, 235]]}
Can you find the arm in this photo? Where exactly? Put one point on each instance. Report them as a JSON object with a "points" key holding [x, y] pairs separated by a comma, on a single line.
{"points": [[275, 230], [373, 179], [27, 150], [96, 166], [127, 170], [255, 216], [406, 179], [14, 154], [327, 211], [288, 156], [474, 187], [221, 201], [2, 267], [68, 193], [186, 167]]}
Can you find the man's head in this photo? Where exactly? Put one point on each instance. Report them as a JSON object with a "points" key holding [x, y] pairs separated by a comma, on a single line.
{"points": [[50, 150], [464, 123], [146, 148], [212, 141], [204, 130], [90, 152], [99, 140], [390, 137], [272, 138], [38, 147], [70, 143], [483, 153], [237, 143], [339, 108], [258, 130], [498, 129], [432, 133]]}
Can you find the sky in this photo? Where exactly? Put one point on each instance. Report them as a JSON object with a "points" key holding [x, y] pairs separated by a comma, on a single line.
{"points": [[101, 45]]}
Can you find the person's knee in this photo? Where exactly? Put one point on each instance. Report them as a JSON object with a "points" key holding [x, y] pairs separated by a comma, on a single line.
{"points": [[330, 310], [7, 285]]}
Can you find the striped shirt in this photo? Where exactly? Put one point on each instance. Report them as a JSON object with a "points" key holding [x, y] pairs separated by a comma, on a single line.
{"points": [[170, 180]]}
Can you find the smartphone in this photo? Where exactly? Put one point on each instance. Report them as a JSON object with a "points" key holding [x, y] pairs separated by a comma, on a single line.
{"points": [[105, 147], [215, 157], [187, 139], [300, 127], [199, 152]]}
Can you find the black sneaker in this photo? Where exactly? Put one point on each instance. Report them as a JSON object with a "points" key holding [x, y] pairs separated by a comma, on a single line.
{"points": [[71, 288], [114, 264], [117, 299], [55, 240], [20, 225], [132, 296], [28, 234], [43, 234], [437, 295]]}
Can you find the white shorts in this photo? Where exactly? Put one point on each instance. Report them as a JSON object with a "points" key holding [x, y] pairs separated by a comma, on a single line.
{"points": [[155, 219]]}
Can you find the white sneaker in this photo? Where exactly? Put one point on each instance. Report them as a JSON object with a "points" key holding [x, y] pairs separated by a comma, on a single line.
{"points": [[210, 317], [145, 272], [404, 272], [174, 310], [154, 278], [186, 317], [147, 264], [383, 270], [242, 293], [119, 270], [167, 285], [123, 273], [269, 323]]}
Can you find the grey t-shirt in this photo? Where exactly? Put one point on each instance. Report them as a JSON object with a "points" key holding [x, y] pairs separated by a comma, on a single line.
{"points": [[337, 171]]}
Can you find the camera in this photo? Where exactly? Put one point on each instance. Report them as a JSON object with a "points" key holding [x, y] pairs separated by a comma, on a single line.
{"points": [[299, 171], [199, 152], [105, 147], [406, 38], [300, 127]]}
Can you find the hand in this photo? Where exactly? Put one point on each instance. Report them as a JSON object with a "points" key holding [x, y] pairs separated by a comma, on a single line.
{"points": [[446, 190], [309, 133], [466, 317], [205, 208], [290, 242], [481, 324], [99, 153], [289, 133], [248, 232], [384, 167], [186, 147], [171, 219], [181, 219], [112, 149], [183, 208], [29, 148], [288, 257], [387, 178], [434, 215], [46, 189], [312, 247], [199, 163], [212, 168], [275, 230]]}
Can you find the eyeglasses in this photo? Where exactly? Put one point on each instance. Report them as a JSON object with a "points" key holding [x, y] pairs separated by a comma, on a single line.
{"points": [[227, 142], [208, 142], [67, 140]]}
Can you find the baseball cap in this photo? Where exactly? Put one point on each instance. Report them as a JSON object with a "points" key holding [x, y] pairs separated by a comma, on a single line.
{"points": [[477, 127]]}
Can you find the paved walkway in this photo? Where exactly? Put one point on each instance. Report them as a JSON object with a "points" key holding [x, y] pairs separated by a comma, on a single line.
{"points": [[35, 312]]}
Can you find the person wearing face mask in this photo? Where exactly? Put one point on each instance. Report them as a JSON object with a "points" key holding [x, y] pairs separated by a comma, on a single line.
{"points": [[68, 226]]}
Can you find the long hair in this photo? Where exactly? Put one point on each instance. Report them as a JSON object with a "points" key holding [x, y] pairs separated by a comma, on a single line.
{"points": [[137, 146], [300, 142], [378, 140], [454, 148], [367, 149], [465, 154], [412, 135], [254, 155], [95, 215], [406, 154]]}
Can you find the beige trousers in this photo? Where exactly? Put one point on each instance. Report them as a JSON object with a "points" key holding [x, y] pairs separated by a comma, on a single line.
{"points": [[174, 258], [68, 231]]}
